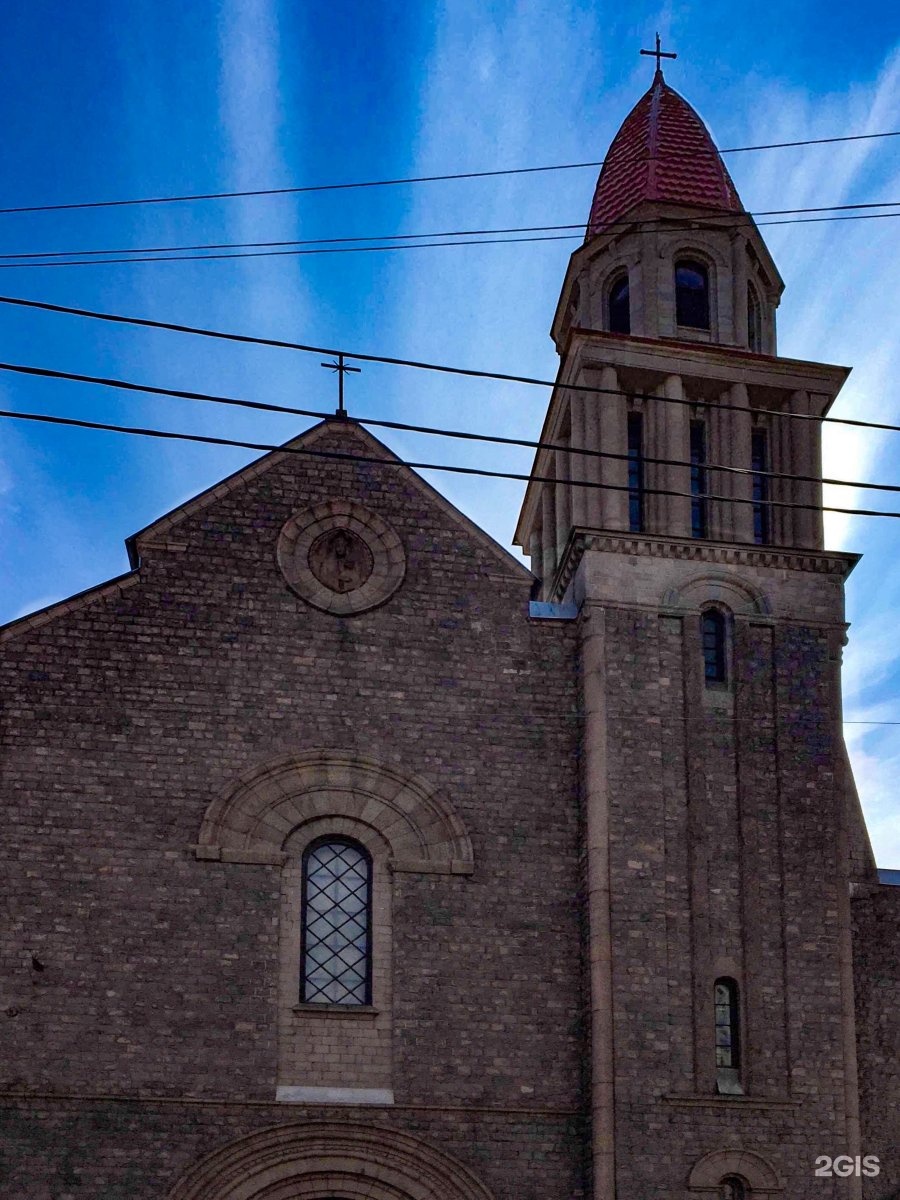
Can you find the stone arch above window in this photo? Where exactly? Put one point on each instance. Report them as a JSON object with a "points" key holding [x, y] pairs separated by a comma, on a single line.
{"points": [[693, 293], [319, 1160], [253, 819], [733, 593], [713, 1169]]}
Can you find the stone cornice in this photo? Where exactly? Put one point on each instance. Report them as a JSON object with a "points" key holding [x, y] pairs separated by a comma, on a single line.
{"points": [[657, 546]]}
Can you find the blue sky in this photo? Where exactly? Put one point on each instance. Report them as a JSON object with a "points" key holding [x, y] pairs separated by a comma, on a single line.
{"points": [[101, 101]]}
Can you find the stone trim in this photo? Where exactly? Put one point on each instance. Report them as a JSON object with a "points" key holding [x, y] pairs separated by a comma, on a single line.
{"points": [[101, 591], [252, 820], [288, 1094], [730, 1102], [298, 538], [652, 546], [708, 1172], [318, 1159], [41, 1099]]}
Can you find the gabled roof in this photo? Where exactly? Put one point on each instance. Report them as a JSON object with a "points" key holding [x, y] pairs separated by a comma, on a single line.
{"points": [[663, 152], [361, 444]]}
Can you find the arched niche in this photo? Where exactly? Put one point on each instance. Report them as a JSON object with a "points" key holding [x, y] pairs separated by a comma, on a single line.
{"points": [[253, 819], [329, 1160]]}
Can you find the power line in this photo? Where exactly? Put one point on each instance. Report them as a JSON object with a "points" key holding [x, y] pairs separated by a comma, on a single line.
{"points": [[648, 223], [140, 431], [441, 368], [138, 257], [373, 183], [402, 426]]}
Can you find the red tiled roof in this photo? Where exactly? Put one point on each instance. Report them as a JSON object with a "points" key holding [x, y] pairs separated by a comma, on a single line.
{"points": [[663, 152]]}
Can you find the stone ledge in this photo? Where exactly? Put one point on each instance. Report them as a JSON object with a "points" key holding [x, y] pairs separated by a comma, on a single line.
{"points": [[336, 1011], [708, 1101], [333, 1095]]}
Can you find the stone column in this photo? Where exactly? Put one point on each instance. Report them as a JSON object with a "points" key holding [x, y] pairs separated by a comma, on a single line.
{"points": [[613, 440], [805, 459], [548, 529], [783, 489], [579, 463], [738, 453], [739, 289], [675, 443], [593, 405], [596, 802], [560, 470]]}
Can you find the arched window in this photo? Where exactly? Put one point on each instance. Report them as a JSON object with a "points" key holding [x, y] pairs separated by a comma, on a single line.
{"points": [[759, 464], [733, 1188], [619, 303], [336, 945], [635, 472], [691, 294], [728, 1039], [712, 633], [754, 319]]}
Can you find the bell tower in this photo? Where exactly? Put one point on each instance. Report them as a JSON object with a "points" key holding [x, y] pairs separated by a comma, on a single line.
{"points": [[676, 506]]}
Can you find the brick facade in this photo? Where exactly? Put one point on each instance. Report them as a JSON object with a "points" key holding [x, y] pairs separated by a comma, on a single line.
{"points": [[125, 718]]}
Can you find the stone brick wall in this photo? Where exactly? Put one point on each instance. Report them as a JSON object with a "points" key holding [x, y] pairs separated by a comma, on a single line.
{"points": [[876, 945], [725, 811], [125, 715]]}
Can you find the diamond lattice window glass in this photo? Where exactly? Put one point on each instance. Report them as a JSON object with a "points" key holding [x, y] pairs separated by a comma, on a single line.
{"points": [[336, 966]]}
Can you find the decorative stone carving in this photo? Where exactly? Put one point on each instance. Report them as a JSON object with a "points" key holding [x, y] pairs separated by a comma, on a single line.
{"points": [[320, 1160], [341, 557]]}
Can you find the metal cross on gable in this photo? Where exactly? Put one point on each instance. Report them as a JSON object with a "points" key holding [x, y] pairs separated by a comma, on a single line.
{"points": [[659, 54], [342, 369]]}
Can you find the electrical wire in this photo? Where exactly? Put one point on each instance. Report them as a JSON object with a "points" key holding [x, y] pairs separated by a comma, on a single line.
{"points": [[649, 223], [140, 431], [467, 372], [410, 245], [373, 183], [459, 434]]}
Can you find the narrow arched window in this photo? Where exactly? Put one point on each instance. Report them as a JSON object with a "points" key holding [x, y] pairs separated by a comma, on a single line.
{"points": [[754, 319], [336, 944], [712, 634], [733, 1187], [728, 1037], [619, 303], [759, 465], [691, 294]]}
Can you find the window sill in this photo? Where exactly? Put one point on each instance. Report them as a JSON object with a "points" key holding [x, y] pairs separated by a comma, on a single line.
{"points": [[717, 1100], [338, 1011]]}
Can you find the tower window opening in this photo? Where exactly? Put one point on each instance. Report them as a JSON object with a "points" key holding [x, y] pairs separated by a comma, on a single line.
{"points": [[728, 1044], [733, 1188], [619, 303], [698, 480], [759, 456], [691, 294], [712, 636], [635, 472], [336, 950], [754, 320]]}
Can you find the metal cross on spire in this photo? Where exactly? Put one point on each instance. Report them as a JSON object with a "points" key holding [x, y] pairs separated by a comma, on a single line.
{"points": [[658, 54], [341, 368]]}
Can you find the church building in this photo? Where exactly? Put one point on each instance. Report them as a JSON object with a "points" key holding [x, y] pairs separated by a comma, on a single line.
{"points": [[347, 859]]}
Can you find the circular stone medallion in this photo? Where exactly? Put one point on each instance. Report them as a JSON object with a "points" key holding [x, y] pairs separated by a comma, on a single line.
{"points": [[340, 560], [341, 557]]}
